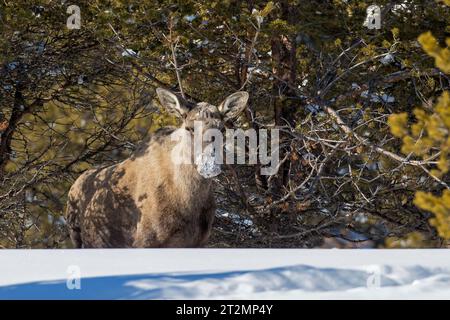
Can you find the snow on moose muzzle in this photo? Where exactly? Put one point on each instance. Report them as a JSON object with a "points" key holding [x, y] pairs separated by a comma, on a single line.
{"points": [[206, 162]]}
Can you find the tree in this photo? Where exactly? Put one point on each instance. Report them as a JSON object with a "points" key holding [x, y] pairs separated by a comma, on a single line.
{"points": [[62, 109], [429, 138], [76, 99]]}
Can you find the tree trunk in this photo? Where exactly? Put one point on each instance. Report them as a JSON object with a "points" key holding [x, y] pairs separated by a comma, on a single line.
{"points": [[284, 68]]}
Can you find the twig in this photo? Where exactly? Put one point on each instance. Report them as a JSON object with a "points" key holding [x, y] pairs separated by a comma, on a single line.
{"points": [[173, 43], [346, 129]]}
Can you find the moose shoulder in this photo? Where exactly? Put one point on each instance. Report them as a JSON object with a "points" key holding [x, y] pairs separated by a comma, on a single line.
{"points": [[149, 200]]}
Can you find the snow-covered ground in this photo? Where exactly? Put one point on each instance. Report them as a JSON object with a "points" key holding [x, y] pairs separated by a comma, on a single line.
{"points": [[225, 274]]}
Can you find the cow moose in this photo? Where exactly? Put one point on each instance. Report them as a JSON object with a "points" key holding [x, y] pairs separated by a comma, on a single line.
{"points": [[148, 200]]}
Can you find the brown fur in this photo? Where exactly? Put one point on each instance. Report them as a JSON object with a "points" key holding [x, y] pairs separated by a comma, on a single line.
{"points": [[144, 201], [147, 200]]}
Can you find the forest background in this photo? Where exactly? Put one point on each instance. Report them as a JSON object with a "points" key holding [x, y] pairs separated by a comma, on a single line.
{"points": [[364, 113]]}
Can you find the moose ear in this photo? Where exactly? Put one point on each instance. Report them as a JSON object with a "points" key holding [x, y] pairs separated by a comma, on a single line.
{"points": [[171, 102], [233, 105]]}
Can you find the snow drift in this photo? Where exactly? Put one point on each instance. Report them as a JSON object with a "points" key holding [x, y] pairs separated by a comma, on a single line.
{"points": [[227, 274]]}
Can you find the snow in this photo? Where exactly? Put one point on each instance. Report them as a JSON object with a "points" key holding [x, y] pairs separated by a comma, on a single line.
{"points": [[404, 7], [200, 43], [80, 79], [387, 59], [190, 17], [129, 53], [378, 97], [355, 86], [236, 218], [226, 274], [13, 65], [313, 108]]}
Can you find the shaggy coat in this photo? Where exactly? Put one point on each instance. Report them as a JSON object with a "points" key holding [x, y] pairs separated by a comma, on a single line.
{"points": [[147, 200]]}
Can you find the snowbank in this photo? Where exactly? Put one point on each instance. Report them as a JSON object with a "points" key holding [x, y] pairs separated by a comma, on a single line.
{"points": [[226, 274]]}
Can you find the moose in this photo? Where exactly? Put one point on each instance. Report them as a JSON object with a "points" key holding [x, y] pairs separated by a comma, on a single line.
{"points": [[148, 200]]}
